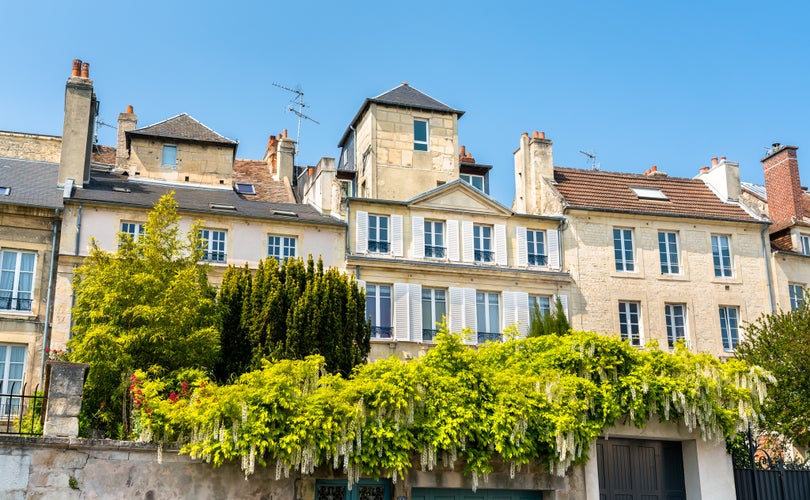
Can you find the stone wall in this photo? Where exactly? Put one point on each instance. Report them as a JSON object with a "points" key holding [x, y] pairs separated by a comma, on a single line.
{"points": [[30, 146], [197, 163]]}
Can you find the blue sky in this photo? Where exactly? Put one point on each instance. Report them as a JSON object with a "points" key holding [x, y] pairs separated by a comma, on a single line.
{"points": [[639, 83]]}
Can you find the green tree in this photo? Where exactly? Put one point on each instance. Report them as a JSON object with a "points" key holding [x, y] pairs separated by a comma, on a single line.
{"points": [[781, 343], [147, 306], [235, 354], [555, 322]]}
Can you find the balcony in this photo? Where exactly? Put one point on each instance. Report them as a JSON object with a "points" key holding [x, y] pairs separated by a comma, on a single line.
{"points": [[378, 246], [382, 332], [488, 337], [537, 259], [15, 304], [484, 256], [434, 252]]}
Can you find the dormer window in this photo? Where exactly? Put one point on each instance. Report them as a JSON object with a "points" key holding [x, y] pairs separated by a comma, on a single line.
{"points": [[244, 188], [169, 158], [420, 135], [476, 181]]}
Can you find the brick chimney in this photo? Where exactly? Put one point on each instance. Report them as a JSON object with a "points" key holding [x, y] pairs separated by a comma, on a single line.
{"points": [[782, 184], [534, 162], [81, 108], [126, 122], [285, 158], [271, 152]]}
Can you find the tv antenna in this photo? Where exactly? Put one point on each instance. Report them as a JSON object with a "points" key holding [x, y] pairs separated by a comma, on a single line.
{"points": [[592, 159], [297, 101], [100, 123]]}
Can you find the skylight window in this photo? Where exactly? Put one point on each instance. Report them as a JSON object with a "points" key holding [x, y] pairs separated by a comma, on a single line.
{"points": [[285, 212], [244, 188], [5, 190], [644, 193], [217, 206]]}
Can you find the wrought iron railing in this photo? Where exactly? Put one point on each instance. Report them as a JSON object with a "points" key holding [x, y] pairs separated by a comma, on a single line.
{"points": [[484, 256], [214, 257], [434, 252], [537, 259], [20, 413], [381, 332], [378, 246], [488, 337], [428, 335], [15, 304]]}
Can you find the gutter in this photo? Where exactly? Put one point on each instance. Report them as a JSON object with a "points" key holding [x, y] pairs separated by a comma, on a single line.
{"points": [[47, 326]]}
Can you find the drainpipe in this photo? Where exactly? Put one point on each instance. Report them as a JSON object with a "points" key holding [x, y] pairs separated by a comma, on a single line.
{"points": [[78, 229], [47, 326], [767, 254]]}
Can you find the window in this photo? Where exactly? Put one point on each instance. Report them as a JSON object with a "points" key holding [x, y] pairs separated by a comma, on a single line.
{"points": [[805, 242], [378, 233], [623, 249], [346, 190], [169, 158], [649, 193], [378, 310], [16, 280], [629, 322], [728, 327], [244, 188], [12, 368], [420, 135], [434, 239], [476, 181], [133, 229], [721, 256], [281, 247], [482, 243], [212, 243], [676, 323], [365, 489], [536, 247], [434, 310], [796, 295], [668, 250], [488, 315], [540, 303], [5, 190]]}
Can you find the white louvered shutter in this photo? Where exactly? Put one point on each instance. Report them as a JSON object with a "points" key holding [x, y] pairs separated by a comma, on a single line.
{"points": [[509, 309], [402, 329], [563, 303], [500, 244], [452, 240], [415, 310], [396, 235], [522, 312], [553, 248], [455, 321], [362, 232], [522, 252], [470, 315], [418, 240], [467, 253]]}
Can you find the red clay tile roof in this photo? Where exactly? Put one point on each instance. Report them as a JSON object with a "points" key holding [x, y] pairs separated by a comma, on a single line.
{"points": [[610, 191], [258, 173], [103, 154]]}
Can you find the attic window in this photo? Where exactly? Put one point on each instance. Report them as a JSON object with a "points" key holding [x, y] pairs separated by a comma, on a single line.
{"points": [[5, 190], [244, 188], [649, 193], [217, 206], [119, 189], [285, 212]]}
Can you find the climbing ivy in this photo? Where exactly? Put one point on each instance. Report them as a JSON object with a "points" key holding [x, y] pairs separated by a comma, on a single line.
{"points": [[542, 399]]}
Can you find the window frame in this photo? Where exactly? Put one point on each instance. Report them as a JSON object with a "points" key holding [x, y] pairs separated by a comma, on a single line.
{"points": [[623, 245], [418, 144], [729, 333], [283, 245], [163, 155], [721, 268], [804, 243], [532, 240], [484, 310], [208, 245], [482, 244], [432, 249], [137, 232], [669, 257], [430, 310], [544, 310], [17, 277], [375, 243], [11, 406], [629, 329], [670, 316], [374, 294], [468, 178], [796, 299]]}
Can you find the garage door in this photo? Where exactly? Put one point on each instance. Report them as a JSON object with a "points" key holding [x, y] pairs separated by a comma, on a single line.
{"points": [[466, 494], [634, 469]]}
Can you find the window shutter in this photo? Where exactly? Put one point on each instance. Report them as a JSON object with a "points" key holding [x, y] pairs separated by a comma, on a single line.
{"points": [[522, 251], [509, 308], [362, 232], [415, 292], [470, 315], [553, 248], [418, 241], [500, 244], [467, 237], [396, 235], [455, 321], [563, 302], [452, 240], [401, 309], [522, 312]]}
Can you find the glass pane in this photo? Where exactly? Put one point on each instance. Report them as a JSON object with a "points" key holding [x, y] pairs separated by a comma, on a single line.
{"points": [[419, 131], [27, 264]]}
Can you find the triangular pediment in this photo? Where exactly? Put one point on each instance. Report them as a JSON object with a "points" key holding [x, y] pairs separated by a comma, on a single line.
{"points": [[458, 196]]}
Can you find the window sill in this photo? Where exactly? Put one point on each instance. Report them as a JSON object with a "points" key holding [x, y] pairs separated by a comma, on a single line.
{"points": [[731, 280], [672, 277], [627, 274], [17, 314]]}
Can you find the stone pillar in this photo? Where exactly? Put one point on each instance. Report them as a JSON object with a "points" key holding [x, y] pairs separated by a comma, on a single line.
{"points": [[64, 383]]}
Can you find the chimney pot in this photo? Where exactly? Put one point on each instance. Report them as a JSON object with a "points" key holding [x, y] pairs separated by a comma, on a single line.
{"points": [[525, 134], [722, 158], [85, 70], [647, 172], [542, 135], [130, 109], [654, 168], [714, 161], [463, 150], [77, 67], [284, 133], [704, 169], [535, 135]]}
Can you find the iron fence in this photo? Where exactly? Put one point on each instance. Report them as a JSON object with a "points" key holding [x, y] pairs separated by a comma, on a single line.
{"points": [[21, 413]]}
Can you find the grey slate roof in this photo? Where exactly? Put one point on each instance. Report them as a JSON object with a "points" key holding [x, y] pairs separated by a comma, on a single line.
{"points": [[183, 127], [32, 183], [403, 96], [756, 189], [115, 189]]}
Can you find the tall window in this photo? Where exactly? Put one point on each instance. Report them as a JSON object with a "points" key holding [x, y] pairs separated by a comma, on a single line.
{"points": [[488, 311], [796, 295], [482, 243], [420, 135], [434, 239], [133, 229], [676, 323], [623, 249], [721, 254], [12, 368], [536, 247], [378, 310], [16, 280], [629, 322], [540, 303], [378, 233], [169, 157], [729, 327], [212, 243], [476, 181], [668, 250], [281, 247], [434, 309], [805, 242]]}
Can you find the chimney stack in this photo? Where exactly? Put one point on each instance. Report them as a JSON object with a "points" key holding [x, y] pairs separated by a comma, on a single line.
{"points": [[782, 184], [285, 158], [81, 108], [126, 122], [723, 177], [534, 162]]}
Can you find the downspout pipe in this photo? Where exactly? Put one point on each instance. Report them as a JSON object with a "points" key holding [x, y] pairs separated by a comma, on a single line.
{"points": [[766, 251], [47, 326], [78, 229]]}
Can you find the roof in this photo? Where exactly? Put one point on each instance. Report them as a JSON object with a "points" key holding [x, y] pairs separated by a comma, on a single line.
{"points": [[117, 189], [31, 183], [611, 192], [757, 190], [760, 192], [258, 173], [403, 96], [104, 155], [182, 127]]}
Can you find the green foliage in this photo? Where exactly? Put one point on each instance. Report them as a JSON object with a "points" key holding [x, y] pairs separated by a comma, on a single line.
{"points": [[536, 399], [781, 342], [291, 311], [147, 306], [553, 323]]}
